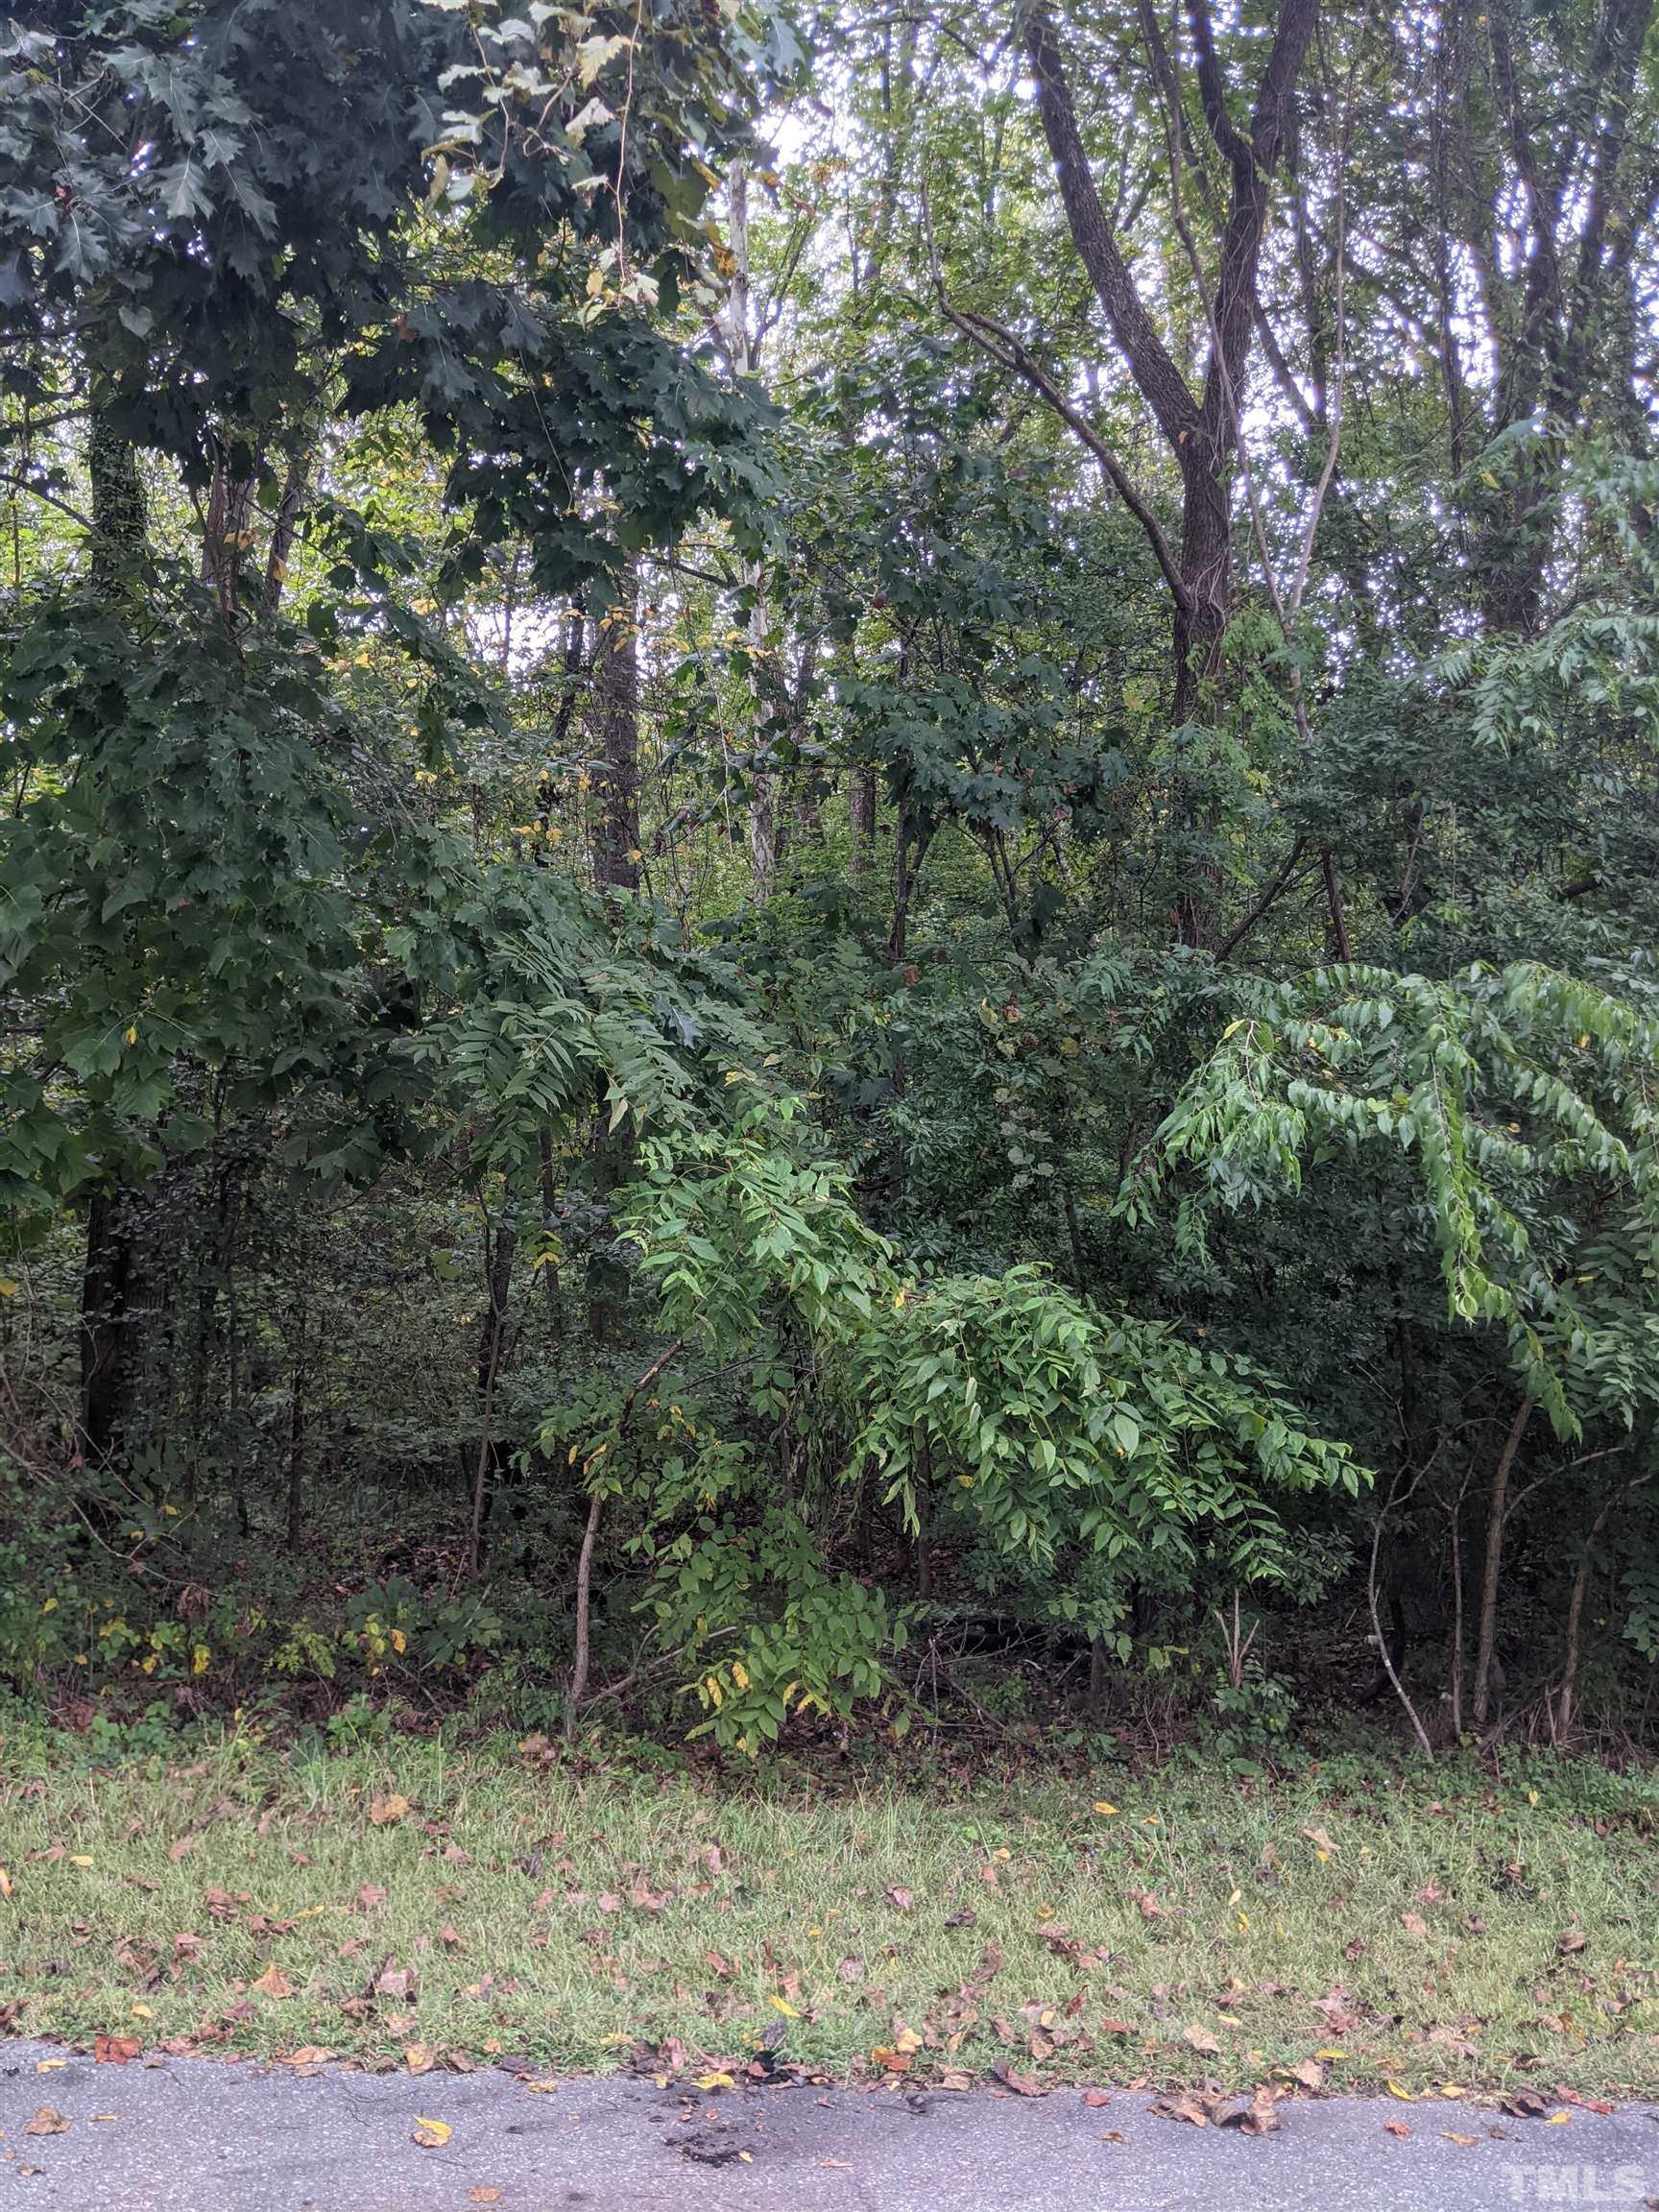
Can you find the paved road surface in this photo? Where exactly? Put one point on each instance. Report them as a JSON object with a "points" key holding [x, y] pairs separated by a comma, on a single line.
{"points": [[194, 2135]]}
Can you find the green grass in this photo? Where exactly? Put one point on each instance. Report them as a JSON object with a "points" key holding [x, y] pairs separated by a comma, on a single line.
{"points": [[563, 1917]]}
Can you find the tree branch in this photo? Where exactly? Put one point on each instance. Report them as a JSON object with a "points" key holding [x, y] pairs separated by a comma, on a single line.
{"points": [[1012, 353], [1160, 381]]}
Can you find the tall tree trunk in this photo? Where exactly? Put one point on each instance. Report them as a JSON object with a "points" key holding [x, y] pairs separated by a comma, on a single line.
{"points": [[1497, 1513], [483, 1462], [498, 1258], [861, 817], [227, 536], [1200, 428], [116, 554], [616, 869], [616, 832]]}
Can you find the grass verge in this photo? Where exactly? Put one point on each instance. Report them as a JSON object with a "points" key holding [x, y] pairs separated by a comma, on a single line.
{"points": [[1431, 1930]]}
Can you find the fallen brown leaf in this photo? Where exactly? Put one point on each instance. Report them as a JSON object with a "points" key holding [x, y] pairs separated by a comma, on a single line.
{"points": [[1257, 2118], [1524, 2104], [47, 2121], [1197, 2112]]}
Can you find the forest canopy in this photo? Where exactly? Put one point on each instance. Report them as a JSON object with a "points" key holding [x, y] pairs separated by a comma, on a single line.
{"points": [[830, 868]]}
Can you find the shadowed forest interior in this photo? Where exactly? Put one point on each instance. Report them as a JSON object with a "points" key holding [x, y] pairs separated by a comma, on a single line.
{"points": [[828, 868]]}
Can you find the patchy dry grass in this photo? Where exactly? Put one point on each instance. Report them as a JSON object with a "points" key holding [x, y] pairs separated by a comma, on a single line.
{"points": [[1196, 1928]]}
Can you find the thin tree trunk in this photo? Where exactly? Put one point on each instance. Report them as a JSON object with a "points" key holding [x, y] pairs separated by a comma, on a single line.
{"points": [[578, 1661], [481, 1467], [297, 1384], [290, 500], [616, 869], [616, 832], [1496, 1514], [861, 817], [1384, 1654], [115, 553], [500, 1252], [106, 1280], [1458, 1616]]}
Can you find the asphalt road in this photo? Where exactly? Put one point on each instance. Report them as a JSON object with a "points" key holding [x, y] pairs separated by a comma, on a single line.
{"points": [[197, 2135]]}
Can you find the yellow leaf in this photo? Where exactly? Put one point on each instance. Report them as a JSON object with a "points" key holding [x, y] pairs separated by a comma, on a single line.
{"points": [[1106, 1812], [201, 1659], [1330, 2053], [432, 2134], [142, 2011], [80, 1859], [5, 1883], [384, 1811], [1557, 2119], [1404, 2095], [7, 1288], [715, 2081], [779, 2004]]}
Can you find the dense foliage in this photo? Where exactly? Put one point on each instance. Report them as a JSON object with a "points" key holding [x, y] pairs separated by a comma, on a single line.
{"points": [[830, 886]]}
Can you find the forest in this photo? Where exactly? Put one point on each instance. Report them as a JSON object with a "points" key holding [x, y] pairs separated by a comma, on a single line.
{"points": [[829, 871]]}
